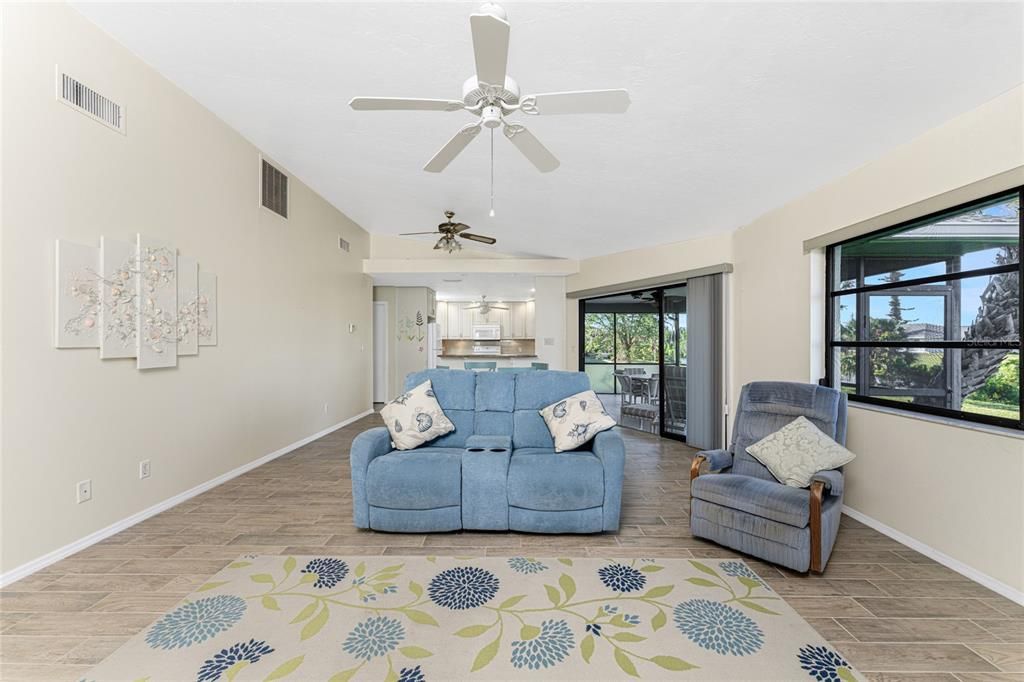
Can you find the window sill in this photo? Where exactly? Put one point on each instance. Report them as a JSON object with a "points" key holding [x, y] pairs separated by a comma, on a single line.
{"points": [[946, 421]]}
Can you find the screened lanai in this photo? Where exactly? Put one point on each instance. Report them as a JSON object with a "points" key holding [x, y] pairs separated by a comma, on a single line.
{"points": [[655, 356]]}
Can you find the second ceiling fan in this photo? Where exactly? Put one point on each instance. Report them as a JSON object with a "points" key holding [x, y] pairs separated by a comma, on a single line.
{"points": [[450, 233], [491, 95]]}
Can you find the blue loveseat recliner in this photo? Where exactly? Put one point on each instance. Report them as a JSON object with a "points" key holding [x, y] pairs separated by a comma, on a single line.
{"points": [[744, 507], [497, 471]]}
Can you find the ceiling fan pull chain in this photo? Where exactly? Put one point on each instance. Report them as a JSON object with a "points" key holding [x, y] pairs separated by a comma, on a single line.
{"points": [[492, 172]]}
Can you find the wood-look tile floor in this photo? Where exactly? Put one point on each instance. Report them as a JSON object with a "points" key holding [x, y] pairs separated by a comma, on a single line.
{"points": [[894, 613]]}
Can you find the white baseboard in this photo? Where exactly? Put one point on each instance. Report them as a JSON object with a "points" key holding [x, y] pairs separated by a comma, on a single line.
{"points": [[949, 562], [56, 555]]}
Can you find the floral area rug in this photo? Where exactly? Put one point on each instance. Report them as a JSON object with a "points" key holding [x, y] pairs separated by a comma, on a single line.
{"points": [[413, 619]]}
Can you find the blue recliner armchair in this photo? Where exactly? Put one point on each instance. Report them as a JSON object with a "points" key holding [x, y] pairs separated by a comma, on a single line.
{"points": [[745, 508], [497, 471]]}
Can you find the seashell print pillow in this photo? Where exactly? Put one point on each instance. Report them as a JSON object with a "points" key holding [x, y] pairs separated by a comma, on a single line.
{"points": [[797, 451], [575, 420], [415, 417]]}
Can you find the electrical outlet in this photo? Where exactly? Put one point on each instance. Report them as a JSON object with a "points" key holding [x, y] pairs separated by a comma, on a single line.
{"points": [[84, 491], [144, 469]]}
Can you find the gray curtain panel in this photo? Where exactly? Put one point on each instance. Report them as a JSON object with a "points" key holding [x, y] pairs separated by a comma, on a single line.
{"points": [[704, 362]]}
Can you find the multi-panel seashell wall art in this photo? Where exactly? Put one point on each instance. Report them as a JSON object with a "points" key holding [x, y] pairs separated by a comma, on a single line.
{"points": [[139, 300]]}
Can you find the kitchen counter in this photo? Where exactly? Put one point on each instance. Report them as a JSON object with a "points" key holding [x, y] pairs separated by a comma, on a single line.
{"points": [[481, 356]]}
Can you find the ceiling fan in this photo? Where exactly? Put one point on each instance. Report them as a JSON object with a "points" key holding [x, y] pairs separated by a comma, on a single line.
{"points": [[491, 95], [450, 232], [485, 306]]}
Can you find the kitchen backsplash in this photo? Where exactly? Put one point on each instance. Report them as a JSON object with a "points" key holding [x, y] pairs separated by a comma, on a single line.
{"points": [[508, 346]]}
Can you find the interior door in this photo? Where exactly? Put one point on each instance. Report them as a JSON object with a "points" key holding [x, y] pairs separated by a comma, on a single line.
{"points": [[380, 352]]}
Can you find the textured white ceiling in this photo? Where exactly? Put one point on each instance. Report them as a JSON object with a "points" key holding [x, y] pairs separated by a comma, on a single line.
{"points": [[737, 108]]}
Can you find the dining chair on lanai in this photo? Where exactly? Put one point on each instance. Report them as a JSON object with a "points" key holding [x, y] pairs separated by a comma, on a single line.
{"points": [[625, 386]]}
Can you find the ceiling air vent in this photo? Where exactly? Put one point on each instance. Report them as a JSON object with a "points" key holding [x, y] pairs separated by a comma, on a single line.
{"points": [[275, 190], [81, 97]]}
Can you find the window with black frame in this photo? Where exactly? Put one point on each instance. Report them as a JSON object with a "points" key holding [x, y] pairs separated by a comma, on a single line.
{"points": [[925, 315]]}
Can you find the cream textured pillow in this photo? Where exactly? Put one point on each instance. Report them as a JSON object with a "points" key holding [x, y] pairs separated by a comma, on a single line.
{"points": [[415, 417], [797, 451], [576, 419]]}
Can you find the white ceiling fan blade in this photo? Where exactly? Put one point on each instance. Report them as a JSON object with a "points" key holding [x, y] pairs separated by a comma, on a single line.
{"points": [[453, 148], [490, 48], [404, 104], [531, 147], [577, 102]]}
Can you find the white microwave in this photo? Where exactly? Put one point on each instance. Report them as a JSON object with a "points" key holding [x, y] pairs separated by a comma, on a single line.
{"points": [[489, 332]]}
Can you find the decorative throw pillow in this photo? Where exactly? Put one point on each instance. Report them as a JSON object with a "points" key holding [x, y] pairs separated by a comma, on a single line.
{"points": [[576, 419], [797, 451], [415, 417]]}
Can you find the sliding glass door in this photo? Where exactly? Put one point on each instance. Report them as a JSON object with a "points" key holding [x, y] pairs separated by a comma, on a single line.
{"points": [[673, 361], [633, 348]]}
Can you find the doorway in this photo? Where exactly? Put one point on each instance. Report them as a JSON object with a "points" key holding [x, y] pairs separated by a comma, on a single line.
{"points": [[380, 352], [633, 349], [655, 357]]}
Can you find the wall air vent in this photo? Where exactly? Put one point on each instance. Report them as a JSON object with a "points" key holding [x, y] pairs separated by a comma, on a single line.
{"points": [[275, 190], [343, 244], [84, 99]]}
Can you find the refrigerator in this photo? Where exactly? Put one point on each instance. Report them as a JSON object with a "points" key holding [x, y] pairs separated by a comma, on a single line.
{"points": [[433, 344]]}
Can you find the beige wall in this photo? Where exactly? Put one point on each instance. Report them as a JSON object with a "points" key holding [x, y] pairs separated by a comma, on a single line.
{"points": [[957, 490], [405, 355], [549, 320], [286, 293], [960, 491]]}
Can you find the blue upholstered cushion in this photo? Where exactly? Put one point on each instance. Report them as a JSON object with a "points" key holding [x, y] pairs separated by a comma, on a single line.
{"points": [[549, 481], [538, 389], [424, 478], [549, 450], [535, 521], [495, 391], [464, 421], [767, 499], [484, 497], [455, 389], [481, 441], [767, 406], [530, 431], [439, 520], [493, 423]]}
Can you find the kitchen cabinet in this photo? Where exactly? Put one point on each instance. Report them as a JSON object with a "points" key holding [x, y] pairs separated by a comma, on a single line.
{"points": [[466, 321], [517, 320], [502, 318], [454, 320], [457, 320], [441, 317]]}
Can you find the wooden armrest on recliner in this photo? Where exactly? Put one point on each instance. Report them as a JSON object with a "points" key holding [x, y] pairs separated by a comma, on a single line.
{"points": [[695, 467], [817, 491]]}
